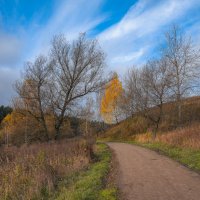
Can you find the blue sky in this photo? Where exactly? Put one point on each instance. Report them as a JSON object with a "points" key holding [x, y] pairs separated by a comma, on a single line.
{"points": [[130, 31]]}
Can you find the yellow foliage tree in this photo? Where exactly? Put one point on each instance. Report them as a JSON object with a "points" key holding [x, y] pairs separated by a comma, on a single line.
{"points": [[7, 119], [19, 128], [110, 100]]}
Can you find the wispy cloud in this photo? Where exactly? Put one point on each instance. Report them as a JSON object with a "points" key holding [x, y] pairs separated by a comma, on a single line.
{"points": [[10, 49], [7, 79], [128, 57], [142, 28], [70, 18]]}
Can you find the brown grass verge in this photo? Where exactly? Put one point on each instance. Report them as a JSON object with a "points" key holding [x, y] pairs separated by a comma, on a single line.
{"points": [[33, 172]]}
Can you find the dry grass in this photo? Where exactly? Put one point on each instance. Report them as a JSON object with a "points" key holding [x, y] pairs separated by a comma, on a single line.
{"points": [[188, 137], [143, 138], [33, 172]]}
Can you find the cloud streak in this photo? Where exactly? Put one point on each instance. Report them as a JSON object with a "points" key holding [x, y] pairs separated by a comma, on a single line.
{"points": [[70, 18], [7, 79], [141, 30], [10, 49]]}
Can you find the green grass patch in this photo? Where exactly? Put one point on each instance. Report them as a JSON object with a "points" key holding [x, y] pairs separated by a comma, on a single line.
{"points": [[187, 157], [89, 184]]}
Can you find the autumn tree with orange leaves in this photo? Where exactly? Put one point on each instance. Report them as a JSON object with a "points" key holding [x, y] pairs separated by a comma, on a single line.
{"points": [[111, 100]]}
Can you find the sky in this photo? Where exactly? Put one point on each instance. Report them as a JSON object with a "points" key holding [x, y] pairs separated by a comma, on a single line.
{"points": [[129, 31]]}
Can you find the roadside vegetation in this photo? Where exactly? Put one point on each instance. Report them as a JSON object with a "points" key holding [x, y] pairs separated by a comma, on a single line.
{"points": [[90, 184], [186, 156], [33, 172], [182, 144], [60, 170]]}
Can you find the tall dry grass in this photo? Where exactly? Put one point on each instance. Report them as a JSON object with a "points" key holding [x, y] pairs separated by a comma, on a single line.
{"points": [[186, 137], [33, 172]]}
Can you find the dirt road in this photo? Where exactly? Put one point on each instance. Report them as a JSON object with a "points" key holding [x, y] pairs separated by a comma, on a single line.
{"points": [[146, 175]]}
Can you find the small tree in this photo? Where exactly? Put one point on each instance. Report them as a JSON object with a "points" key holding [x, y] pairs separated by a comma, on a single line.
{"points": [[87, 114], [148, 89], [156, 81], [111, 99], [184, 62], [33, 91], [131, 96], [4, 110]]}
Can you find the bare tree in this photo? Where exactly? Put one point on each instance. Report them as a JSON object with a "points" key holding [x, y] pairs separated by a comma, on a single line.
{"points": [[156, 83], [77, 71], [184, 60], [148, 89], [87, 115], [32, 91], [131, 95]]}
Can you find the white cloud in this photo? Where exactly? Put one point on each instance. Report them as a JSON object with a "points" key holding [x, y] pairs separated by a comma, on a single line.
{"points": [[194, 31], [129, 57], [10, 49], [7, 79], [143, 19], [70, 18], [141, 28]]}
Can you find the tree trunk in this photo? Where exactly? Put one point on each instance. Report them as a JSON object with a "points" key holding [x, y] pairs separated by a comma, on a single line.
{"points": [[57, 133], [178, 97], [57, 130], [154, 134], [46, 132], [158, 121], [86, 127], [58, 125], [179, 112], [116, 119]]}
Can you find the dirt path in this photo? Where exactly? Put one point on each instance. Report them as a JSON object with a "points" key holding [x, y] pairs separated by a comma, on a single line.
{"points": [[146, 175]]}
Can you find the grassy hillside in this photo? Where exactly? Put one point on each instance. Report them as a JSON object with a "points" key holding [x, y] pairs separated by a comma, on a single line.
{"points": [[139, 125]]}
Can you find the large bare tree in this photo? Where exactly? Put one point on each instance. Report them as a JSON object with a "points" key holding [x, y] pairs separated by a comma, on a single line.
{"points": [[77, 70], [56, 84]]}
